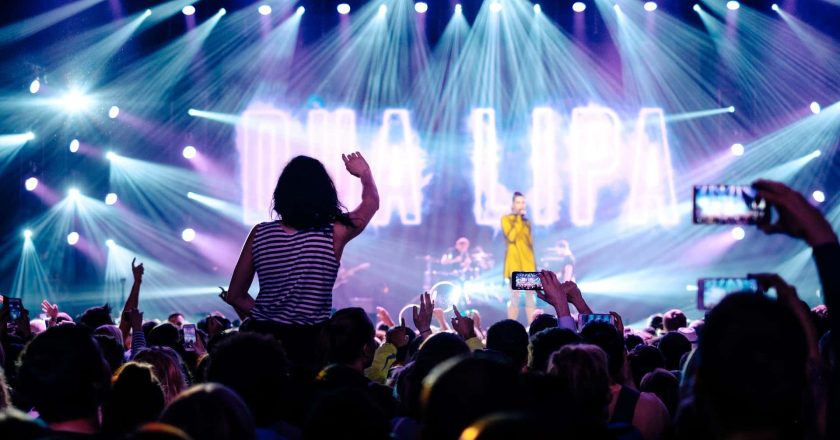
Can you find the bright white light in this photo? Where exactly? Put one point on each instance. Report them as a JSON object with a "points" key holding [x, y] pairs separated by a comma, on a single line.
{"points": [[27, 234], [650, 6], [343, 8], [691, 287], [148, 12], [818, 196], [110, 155], [35, 86], [495, 7], [113, 112], [732, 5], [74, 145], [75, 101], [738, 233], [737, 149], [223, 11], [616, 8], [731, 108], [188, 234], [383, 9], [190, 195], [817, 153], [696, 8], [815, 107], [458, 8], [189, 152], [110, 243], [73, 193], [72, 238], [775, 7], [537, 8], [264, 9], [111, 198], [579, 6], [188, 10], [300, 10], [30, 135], [421, 7], [31, 183]]}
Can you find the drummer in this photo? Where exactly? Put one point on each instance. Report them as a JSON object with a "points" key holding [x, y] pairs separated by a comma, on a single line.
{"points": [[457, 257]]}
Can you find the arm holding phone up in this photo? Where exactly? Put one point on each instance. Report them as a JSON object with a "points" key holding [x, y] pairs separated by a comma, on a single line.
{"points": [[559, 295]]}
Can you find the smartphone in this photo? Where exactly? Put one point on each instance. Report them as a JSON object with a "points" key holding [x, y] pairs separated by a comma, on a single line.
{"points": [[728, 205], [711, 291], [585, 318], [189, 336], [15, 308], [525, 281]]}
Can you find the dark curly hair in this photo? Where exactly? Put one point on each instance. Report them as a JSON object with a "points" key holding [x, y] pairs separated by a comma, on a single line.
{"points": [[305, 196]]}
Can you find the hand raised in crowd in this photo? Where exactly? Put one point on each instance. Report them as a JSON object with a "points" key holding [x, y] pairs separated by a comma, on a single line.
{"points": [[398, 336], [50, 310], [555, 293], [441, 319], [797, 217], [355, 164], [383, 315], [619, 323], [463, 325], [423, 315], [135, 317], [137, 270]]}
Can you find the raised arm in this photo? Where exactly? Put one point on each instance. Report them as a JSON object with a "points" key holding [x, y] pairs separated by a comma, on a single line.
{"points": [[243, 275], [133, 300], [361, 216]]}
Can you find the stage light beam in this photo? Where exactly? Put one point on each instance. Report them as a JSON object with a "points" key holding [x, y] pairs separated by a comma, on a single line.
{"points": [[650, 6], [188, 234], [343, 8], [72, 238], [737, 149], [188, 10], [189, 152], [111, 199], [537, 8], [264, 10], [74, 194], [459, 9], [31, 183], [74, 146], [496, 7], [696, 8], [775, 7], [27, 234], [815, 108], [818, 196], [113, 112], [34, 86], [733, 5], [300, 10], [579, 7], [421, 7], [738, 233]]}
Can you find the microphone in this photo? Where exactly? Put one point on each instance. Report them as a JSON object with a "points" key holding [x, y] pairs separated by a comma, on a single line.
{"points": [[522, 213]]}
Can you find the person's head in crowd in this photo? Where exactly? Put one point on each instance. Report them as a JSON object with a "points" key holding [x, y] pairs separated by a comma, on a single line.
{"points": [[148, 326], [346, 413], [94, 317], [584, 382], [112, 331], [433, 351], [509, 337], [673, 320], [165, 335], [158, 431], [546, 342], [632, 341], [349, 337], [210, 411], [665, 385], [542, 322], [64, 376], [136, 398], [16, 425], [673, 346], [112, 350], [305, 196], [655, 322], [643, 359], [176, 319], [256, 368], [506, 425], [167, 366], [751, 375], [461, 391], [605, 336]]}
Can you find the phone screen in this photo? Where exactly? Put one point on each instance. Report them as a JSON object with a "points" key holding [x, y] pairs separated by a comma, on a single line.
{"points": [[711, 291], [15, 308], [585, 318], [525, 281], [189, 336], [728, 205]]}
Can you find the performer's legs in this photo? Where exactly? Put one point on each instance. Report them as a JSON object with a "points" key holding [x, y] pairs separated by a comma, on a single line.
{"points": [[513, 304], [530, 306]]}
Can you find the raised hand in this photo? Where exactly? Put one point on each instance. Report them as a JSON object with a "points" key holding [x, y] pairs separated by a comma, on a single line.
{"points": [[797, 217], [383, 315], [355, 164], [619, 323], [50, 310], [137, 270], [463, 325], [423, 315]]}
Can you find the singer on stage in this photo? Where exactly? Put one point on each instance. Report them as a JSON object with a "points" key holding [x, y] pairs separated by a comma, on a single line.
{"points": [[519, 256]]}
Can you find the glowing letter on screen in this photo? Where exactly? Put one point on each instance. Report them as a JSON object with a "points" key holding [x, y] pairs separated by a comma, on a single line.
{"points": [[652, 194], [544, 196], [594, 146], [263, 137], [329, 135], [492, 200], [398, 163]]}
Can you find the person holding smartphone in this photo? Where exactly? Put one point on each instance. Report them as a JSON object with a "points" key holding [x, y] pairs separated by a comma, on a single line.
{"points": [[519, 255]]}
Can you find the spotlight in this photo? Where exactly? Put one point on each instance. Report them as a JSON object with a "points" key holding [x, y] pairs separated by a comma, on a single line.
{"points": [[113, 112], [738, 233], [74, 102], [421, 7], [696, 8], [815, 108], [300, 10], [818, 196], [148, 12], [192, 112], [190, 195], [27, 234], [650, 6], [737, 149], [579, 7], [616, 8], [110, 243], [775, 7], [732, 5], [72, 238], [731, 109], [111, 198], [458, 8], [74, 194], [35, 86], [188, 234], [30, 135], [495, 7], [343, 8], [223, 11], [31, 183], [383, 9], [188, 10], [264, 9], [74, 145], [817, 153], [189, 152], [537, 8], [110, 155]]}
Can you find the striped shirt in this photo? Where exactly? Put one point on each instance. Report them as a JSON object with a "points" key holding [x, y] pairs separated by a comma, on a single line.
{"points": [[296, 272]]}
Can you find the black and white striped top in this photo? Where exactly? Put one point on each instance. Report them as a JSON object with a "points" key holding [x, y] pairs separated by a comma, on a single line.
{"points": [[296, 271]]}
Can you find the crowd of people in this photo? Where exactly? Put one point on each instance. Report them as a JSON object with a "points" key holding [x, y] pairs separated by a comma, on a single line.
{"points": [[755, 367]]}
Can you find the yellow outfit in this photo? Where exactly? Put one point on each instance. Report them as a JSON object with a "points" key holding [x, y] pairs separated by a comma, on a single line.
{"points": [[519, 257]]}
